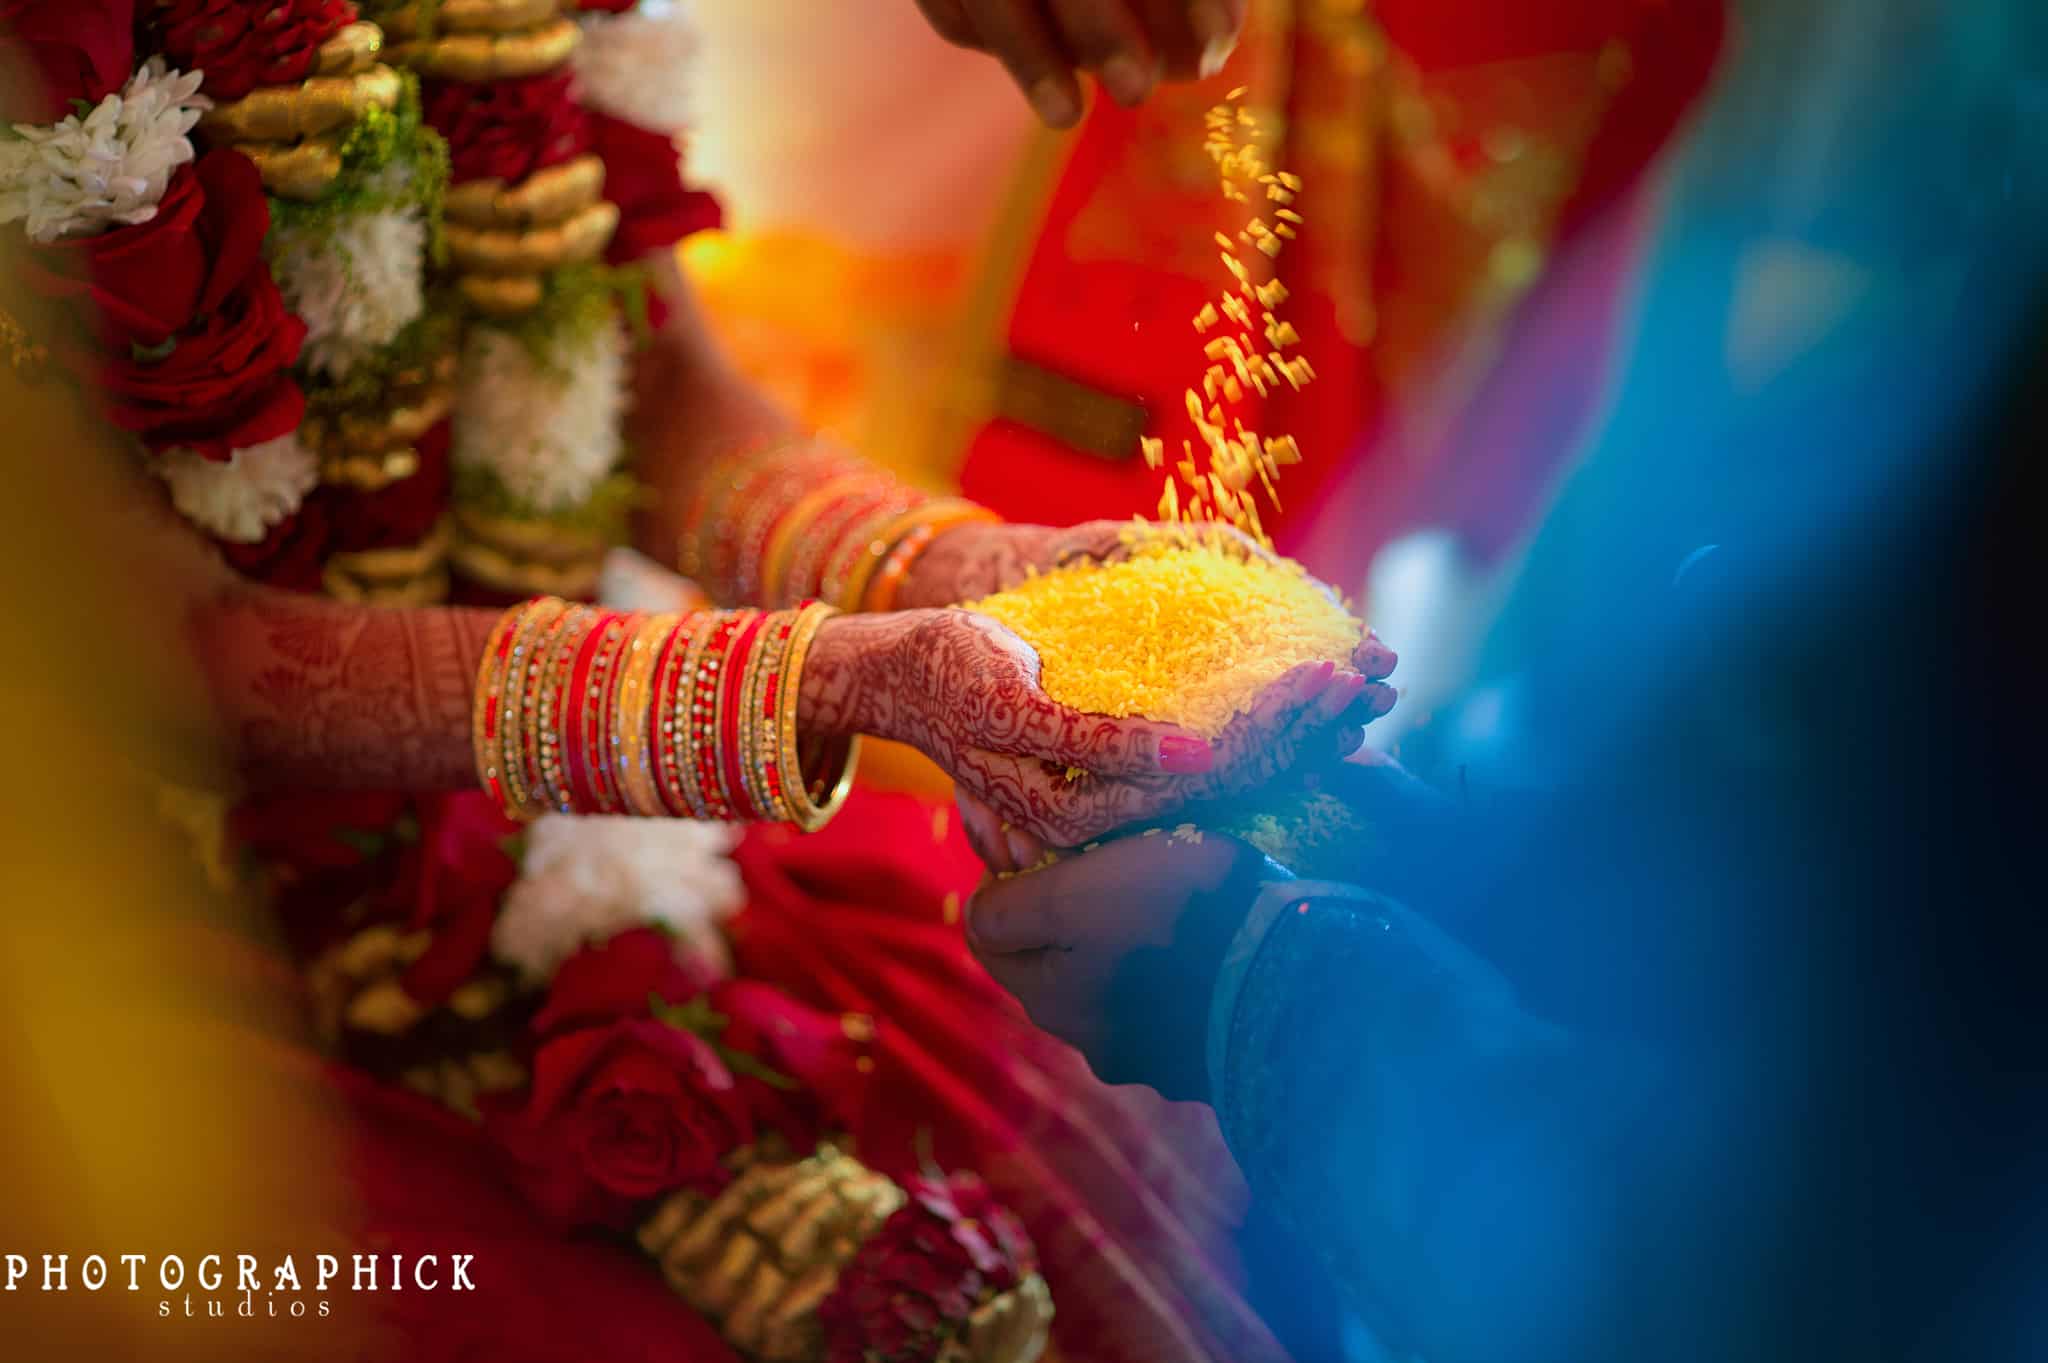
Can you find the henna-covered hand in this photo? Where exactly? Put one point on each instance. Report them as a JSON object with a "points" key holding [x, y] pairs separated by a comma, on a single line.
{"points": [[965, 691]]}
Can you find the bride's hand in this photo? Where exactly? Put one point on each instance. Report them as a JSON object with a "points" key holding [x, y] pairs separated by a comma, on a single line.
{"points": [[965, 691]]}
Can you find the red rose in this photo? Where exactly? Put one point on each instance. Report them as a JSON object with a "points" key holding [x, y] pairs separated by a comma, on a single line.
{"points": [[507, 129], [911, 1288], [613, 981], [292, 556], [82, 50], [815, 1051], [241, 45], [195, 344], [451, 882], [643, 175], [619, 1115]]}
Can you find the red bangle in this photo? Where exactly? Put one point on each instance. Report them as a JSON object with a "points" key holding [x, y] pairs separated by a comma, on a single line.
{"points": [[699, 747], [732, 719], [582, 730]]}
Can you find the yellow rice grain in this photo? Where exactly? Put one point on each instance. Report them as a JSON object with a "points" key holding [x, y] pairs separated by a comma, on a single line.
{"points": [[1185, 631]]}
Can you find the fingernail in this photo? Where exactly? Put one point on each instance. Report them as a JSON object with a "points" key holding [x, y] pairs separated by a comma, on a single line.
{"points": [[1054, 100], [1186, 756], [1219, 39], [1383, 698], [1314, 683], [1340, 695], [1126, 79]]}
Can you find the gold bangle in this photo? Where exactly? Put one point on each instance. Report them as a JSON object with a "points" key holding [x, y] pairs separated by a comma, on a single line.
{"points": [[694, 717], [848, 595], [631, 735], [755, 730], [552, 708], [807, 811], [880, 593], [783, 538], [486, 706], [521, 801]]}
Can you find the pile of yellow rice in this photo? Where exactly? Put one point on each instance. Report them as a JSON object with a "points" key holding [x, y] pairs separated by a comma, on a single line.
{"points": [[1184, 631]]}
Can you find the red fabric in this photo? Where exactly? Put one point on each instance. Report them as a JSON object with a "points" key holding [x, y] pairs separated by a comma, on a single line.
{"points": [[1129, 1199], [1110, 308], [419, 1182]]}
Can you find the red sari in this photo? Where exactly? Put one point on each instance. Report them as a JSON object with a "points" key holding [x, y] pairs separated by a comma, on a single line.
{"points": [[1448, 151]]}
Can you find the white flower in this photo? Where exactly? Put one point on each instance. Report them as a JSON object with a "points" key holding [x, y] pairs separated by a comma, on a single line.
{"points": [[549, 432], [355, 283], [636, 66], [585, 879], [240, 498], [111, 166]]}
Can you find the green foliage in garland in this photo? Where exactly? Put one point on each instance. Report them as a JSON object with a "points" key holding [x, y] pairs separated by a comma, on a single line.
{"points": [[575, 301], [434, 333], [390, 159], [603, 515]]}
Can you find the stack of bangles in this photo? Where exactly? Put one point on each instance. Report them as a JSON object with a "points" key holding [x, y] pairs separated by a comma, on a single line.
{"points": [[811, 521], [582, 710]]}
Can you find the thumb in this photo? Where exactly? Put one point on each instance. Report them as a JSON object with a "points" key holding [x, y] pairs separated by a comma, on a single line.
{"points": [[1010, 916]]}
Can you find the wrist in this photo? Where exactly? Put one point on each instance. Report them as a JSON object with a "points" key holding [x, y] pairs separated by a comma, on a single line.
{"points": [[939, 575], [844, 688]]}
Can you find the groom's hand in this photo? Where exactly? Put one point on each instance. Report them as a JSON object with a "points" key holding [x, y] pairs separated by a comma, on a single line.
{"points": [[1117, 950], [1129, 44]]}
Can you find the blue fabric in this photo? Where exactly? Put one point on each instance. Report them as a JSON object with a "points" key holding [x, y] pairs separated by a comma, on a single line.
{"points": [[1655, 1065]]}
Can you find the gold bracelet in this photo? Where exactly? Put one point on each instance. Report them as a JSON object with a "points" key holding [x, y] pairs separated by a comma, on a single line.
{"points": [[487, 710], [794, 523], [950, 510], [756, 726], [522, 801], [631, 735], [809, 811]]}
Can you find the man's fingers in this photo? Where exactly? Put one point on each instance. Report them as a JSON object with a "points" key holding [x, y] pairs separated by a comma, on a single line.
{"points": [[1006, 917], [1105, 37], [949, 20], [1373, 659], [1015, 31]]}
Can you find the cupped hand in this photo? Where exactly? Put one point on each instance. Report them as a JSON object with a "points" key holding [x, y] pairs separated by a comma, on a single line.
{"points": [[1315, 709], [1130, 44], [1116, 951], [966, 692]]}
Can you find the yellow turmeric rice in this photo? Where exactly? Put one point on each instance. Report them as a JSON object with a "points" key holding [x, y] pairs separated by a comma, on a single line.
{"points": [[1184, 632]]}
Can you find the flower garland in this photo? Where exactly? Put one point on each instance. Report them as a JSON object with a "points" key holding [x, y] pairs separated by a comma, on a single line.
{"points": [[108, 166], [242, 499], [635, 65], [583, 880], [253, 259]]}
